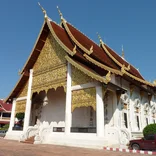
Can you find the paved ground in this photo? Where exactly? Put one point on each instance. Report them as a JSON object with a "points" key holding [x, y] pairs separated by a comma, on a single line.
{"points": [[14, 148]]}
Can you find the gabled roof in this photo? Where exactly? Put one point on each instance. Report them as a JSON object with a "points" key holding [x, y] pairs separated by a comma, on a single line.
{"points": [[98, 62], [4, 107]]}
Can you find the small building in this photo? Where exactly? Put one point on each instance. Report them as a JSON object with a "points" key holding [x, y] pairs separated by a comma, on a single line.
{"points": [[79, 93], [5, 113]]}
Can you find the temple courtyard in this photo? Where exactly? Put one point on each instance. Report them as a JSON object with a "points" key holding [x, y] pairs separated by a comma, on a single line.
{"points": [[14, 148]]}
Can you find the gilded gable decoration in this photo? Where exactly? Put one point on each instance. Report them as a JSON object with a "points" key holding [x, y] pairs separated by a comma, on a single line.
{"points": [[23, 91], [50, 68], [84, 98], [20, 106], [79, 77]]}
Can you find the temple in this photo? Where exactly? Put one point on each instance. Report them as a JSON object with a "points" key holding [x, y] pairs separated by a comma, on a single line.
{"points": [[5, 113], [78, 93]]}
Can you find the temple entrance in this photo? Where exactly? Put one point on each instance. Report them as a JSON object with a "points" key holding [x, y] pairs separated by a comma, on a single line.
{"points": [[49, 108], [84, 120]]}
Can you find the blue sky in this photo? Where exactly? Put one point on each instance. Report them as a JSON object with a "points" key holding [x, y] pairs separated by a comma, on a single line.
{"points": [[131, 23]]}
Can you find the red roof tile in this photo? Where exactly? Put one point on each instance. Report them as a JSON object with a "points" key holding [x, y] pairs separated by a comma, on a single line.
{"points": [[5, 106]]}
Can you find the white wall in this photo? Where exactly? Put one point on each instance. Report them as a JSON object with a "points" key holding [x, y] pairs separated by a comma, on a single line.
{"points": [[81, 117], [54, 112]]}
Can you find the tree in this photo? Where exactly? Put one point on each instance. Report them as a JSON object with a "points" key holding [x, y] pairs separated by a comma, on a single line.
{"points": [[149, 129], [20, 116]]}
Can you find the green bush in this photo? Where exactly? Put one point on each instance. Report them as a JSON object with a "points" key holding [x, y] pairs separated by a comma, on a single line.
{"points": [[20, 116], [5, 127], [149, 129]]}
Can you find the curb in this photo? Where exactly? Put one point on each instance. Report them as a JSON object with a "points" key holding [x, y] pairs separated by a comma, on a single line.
{"points": [[129, 151]]}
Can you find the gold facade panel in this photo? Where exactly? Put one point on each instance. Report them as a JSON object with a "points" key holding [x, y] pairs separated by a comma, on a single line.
{"points": [[51, 79], [84, 98], [50, 68], [20, 106], [23, 91], [79, 77], [50, 56]]}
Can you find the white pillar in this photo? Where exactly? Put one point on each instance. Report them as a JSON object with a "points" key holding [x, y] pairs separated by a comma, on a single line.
{"points": [[99, 112], [131, 114], [28, 102], [150, 110], [12, 119], [68, 101], [116, 110]]}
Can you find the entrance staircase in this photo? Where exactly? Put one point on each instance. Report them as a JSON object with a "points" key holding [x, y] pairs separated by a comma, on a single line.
{"points": [[29, 140]]}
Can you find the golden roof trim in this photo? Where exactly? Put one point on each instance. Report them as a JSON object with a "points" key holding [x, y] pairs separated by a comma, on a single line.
{"points": [[102, 65], [75, 40], [59, 41], [89, 73], [136, 78], [113, 58]]}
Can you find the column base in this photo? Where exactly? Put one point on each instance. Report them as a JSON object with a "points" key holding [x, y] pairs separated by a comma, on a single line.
{"points": [[13, 135]]}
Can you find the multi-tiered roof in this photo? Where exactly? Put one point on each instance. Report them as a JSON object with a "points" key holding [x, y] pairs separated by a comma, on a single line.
{"points": [[97, 61]]}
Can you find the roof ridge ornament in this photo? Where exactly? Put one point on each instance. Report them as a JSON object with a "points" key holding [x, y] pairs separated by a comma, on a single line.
{"points": [[91, 49], [60, 13], [123, 54], [100, 38], [74, 49], [43, 10]]}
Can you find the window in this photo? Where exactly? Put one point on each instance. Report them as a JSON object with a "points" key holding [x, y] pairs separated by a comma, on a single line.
{"points": [[138, 124], [149, 137], [125, 119], [147, 121], [6, 115]]}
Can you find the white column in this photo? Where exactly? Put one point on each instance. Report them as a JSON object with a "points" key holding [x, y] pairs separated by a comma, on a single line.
{"points": [[99, 112], [12, 119], [116, 110], [68, 101], [28, 102], [150, 112], [131, 114]]}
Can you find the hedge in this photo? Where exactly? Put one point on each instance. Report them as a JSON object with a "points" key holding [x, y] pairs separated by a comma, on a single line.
{"points": [[149, 129]]}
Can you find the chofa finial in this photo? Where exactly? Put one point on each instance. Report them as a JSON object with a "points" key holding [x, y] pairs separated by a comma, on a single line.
{"points": [[60, 13], [44, 11], [123, 54], [99, 37]]}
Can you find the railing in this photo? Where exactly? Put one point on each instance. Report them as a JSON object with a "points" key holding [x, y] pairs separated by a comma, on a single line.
{"points": [[4, 118]]}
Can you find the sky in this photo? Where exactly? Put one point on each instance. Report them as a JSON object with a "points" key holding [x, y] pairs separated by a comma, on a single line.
{"points": [[119, 22]]}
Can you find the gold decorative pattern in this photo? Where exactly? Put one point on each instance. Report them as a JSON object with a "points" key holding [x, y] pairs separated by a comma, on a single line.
{"points": [[136, 78], [84, 98], [75, 40], [23, 91], [20, 106], [113, 58], [59, 41], [79, 77], [50, 68], [89, 73], [51, 79], [102, 65], [50, 56]]}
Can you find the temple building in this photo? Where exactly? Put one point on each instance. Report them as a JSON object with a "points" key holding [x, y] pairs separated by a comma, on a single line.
{"points": [[5, 113], [78, 93]]}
